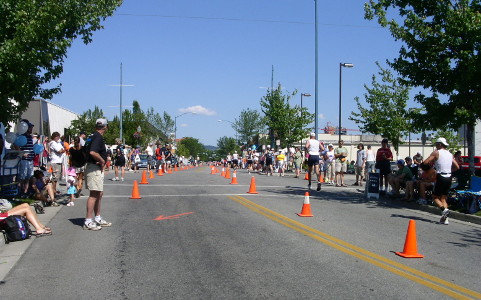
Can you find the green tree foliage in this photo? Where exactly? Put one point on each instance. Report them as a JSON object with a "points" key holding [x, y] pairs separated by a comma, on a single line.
{"points": [[453, 139], [249, 124], [385, 113], [34, 39], [285, 123], [440, 53], [86, 122], [163, 124], [226, 145], [191, 147]]}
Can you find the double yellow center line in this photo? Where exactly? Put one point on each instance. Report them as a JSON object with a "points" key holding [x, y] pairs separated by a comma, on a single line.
{"points": [[435, 283]]}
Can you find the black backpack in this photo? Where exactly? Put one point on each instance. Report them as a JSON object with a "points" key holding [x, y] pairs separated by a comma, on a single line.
{"points": [[15, 228]]}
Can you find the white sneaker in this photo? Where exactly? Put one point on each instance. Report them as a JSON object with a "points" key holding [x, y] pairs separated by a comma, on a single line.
{"points": [[92, 226], [115, 179], [103, 223], [446, 222], [70, 204], [122, 179], [444, 216]]}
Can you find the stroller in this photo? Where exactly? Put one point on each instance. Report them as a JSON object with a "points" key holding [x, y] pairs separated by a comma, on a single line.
{"points": [[8, 172]]}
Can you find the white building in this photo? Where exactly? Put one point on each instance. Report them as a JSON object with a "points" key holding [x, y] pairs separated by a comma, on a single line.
{"points": [[51, 116]]}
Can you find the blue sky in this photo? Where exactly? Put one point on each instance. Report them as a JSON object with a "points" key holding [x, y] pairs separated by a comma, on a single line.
{"points": [[216, 56]]}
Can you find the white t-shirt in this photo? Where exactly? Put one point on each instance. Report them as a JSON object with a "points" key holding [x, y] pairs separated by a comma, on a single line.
{"points": [[330, 155], [313, 147], [370, 155], [55, 156], [149, 151]]}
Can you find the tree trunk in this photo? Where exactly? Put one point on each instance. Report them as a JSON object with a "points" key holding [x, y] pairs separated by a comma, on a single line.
{"points": [[470, 137]]}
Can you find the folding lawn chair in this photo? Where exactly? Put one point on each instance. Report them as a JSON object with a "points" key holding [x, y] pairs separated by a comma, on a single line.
{"points": [[470, 199]]}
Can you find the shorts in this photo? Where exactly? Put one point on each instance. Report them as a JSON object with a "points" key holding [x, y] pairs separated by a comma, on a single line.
{"points": [[313, 160], [268, 161], [25, 170], [384, 167], [57, 171], [235, 162], [95, 177], [341, 167], [120, 162], [442, 186], [360, 170]]}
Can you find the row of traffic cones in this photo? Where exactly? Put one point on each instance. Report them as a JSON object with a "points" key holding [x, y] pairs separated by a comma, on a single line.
{"points": [[410, 245]]}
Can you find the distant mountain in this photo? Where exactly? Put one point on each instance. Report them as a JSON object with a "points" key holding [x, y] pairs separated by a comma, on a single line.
{"points": [[211, 148]]}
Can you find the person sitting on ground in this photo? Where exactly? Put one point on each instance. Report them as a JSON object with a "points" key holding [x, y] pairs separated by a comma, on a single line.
{"points": [[41, 189], [25, 210], [400, 178], [425, 183]]}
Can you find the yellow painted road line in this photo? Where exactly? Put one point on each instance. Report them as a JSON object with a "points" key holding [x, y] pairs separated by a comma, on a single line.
{"points": [[417, 276]]}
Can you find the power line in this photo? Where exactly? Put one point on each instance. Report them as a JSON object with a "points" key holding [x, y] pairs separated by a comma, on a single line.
{"points": [[244, 20]]}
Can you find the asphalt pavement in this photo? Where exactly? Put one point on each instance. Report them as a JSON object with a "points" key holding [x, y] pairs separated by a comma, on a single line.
{"points": [[193, 235]]}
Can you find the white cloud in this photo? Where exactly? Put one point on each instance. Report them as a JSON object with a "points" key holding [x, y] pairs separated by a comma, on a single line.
{"points": [[322, 117], [199, 110], [184, 125]]}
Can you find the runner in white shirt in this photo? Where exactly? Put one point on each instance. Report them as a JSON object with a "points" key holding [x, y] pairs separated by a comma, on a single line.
{"points": [[444, 163], [313, 149]]}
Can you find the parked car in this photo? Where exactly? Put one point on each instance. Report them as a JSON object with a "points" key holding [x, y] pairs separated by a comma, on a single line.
{"points": [[477, 164], [143, 161]]}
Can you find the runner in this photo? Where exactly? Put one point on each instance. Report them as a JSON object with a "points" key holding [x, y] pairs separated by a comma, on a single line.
{"points": [[444, 164], [313, 148]]}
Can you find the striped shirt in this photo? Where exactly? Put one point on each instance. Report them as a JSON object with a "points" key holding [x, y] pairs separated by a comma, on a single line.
{"points": [[28, 148]]}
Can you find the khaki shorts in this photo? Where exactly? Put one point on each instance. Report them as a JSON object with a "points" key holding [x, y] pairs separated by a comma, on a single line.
{"points": [[360, 170], [95, 177], [57, 172], [341, 167]]}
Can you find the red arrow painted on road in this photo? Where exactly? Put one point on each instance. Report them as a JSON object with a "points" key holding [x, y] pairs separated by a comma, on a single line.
{"points": [[161, 217]]}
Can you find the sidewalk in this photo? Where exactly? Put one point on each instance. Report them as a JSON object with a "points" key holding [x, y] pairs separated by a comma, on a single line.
{"points": [[11, 253]]}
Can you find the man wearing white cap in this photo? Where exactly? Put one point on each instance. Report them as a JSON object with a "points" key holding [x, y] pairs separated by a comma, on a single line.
{"points": [[96, 158], [444, 164], [313, 148]]}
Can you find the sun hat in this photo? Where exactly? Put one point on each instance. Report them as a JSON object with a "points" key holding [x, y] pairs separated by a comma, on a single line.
{"points": [[442, 141], [71, 172]]}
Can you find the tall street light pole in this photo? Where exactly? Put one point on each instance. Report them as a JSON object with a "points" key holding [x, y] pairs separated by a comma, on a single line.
{"points": [[121, 115], [233, 125], [341, 65], [175, 124], [304, 95], [316, 112]]}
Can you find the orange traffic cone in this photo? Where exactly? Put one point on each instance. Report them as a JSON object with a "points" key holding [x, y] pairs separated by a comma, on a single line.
{"points": [[223, 172], [151, 174], [321, 178], [50, 170], [135, 191], [227, 174], [306, 177], [252, 188], [160, 173], [212, 170], [144, 178], [175, 168], [170, 170], [306, 207], [234, 178], [410, 246]]}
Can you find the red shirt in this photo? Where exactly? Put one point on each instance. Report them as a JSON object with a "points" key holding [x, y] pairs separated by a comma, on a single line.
{"points": [[380, 156]]}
